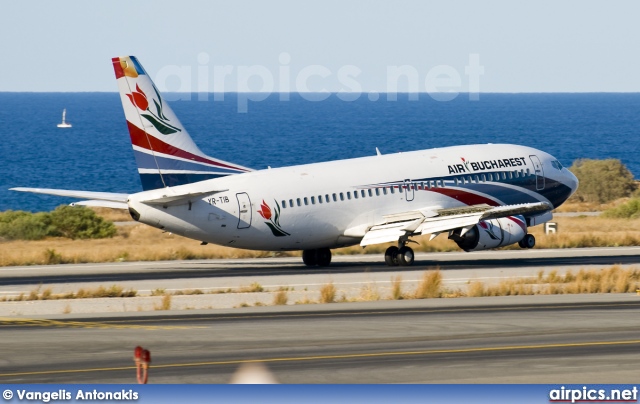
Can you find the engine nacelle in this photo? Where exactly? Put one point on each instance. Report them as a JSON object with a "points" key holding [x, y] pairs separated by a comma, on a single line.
{"points": [[491, 234]]}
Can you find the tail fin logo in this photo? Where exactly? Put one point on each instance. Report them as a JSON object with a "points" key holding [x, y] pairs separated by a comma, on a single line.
{"points": [[140, 100]]}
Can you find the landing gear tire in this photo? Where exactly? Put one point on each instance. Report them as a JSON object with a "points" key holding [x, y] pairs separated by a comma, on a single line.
{"points": [[323, 257], [320, 257], [405, 256], [309, 257], [529, 241], [391, 256]]}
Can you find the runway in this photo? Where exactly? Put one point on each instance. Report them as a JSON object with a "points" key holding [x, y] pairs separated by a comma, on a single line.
{"points": [[350, 274], [226, 268], [534, 339], [538, 339]]}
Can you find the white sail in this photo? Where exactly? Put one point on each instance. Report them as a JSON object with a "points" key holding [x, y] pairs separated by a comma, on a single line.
{"points": [[64, 124]]}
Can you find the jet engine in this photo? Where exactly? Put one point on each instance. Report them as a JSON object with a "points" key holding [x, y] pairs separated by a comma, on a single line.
{"points": [[491, 234]]}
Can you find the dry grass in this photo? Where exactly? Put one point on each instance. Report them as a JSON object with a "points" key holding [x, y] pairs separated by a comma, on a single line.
{"points": [[306, 300], [328, 293], [99, 292], [396, 288], [143, 243], [609, 280], [280, 298], [255, 287], [132, 243], [430, 286], [188, 292], [369, 292], [574, 205], [165, 303]]}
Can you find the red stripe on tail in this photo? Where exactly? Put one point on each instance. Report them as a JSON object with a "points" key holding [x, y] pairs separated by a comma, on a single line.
{"points": [[141, 139]]}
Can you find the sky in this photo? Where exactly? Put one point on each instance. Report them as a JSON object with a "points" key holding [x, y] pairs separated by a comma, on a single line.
{"points": [[349, 46]]}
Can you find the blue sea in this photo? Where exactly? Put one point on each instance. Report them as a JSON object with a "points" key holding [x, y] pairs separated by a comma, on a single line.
{"points": [[96, 155]]}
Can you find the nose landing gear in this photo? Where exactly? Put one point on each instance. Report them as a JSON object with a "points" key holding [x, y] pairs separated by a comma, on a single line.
{"points": [[529, 241]]}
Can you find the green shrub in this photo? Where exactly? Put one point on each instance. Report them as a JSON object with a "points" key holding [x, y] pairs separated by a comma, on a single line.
{"points": [[65, 221], [629, 210], [20, 225], [79, 222], [602, 181]]}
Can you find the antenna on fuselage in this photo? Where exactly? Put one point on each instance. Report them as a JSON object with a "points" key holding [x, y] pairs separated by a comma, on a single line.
{"points": [[378, 152]]}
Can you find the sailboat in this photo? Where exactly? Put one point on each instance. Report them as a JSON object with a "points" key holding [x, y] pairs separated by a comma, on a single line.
{"points": [[64, 123]]}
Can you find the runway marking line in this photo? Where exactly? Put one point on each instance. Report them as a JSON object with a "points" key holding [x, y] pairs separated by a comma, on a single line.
{"points": [[359, 313], [325, 357], [85, 324]]}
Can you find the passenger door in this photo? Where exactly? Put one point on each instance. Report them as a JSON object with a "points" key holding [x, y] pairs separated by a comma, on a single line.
{"points": [[244, 210]]}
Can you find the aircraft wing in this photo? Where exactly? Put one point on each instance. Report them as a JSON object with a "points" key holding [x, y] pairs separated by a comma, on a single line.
{"points": [[101, 199], [435, 221]]}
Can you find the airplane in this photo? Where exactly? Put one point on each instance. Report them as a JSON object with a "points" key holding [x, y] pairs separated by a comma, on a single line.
{"points": [[481, 196]]}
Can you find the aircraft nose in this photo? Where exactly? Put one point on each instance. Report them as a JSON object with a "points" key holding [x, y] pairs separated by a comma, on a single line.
{"points": [[572, 181]]}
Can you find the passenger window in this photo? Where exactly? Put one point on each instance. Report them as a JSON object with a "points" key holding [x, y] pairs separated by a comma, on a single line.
{"points": [[377, 191], [284, 203], [483, 178], [291, 203], [510, 175], [313, 200], [335, 198], [349, 195], [363, 194], [298, 201], [326, 198], [516, 174], [393, 190], [504, 175], [370, 193], [341, 196], [355, 194], [384, 190], [490, 177], [319, 198]]}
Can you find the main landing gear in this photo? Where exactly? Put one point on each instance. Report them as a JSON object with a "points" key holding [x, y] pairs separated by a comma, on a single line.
{"points": [[527, 242], [319, 257], [401, 255]]}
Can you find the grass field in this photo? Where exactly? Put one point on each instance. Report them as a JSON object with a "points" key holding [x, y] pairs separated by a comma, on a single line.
{"points": [[136, 242]]}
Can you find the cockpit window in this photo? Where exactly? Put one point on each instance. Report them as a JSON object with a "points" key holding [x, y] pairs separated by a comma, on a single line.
{"points": [[556, 164]]}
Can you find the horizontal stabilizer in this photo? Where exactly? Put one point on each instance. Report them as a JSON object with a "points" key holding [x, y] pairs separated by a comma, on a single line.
{"points": [[179, 199], [102, 204], [97, 196]]}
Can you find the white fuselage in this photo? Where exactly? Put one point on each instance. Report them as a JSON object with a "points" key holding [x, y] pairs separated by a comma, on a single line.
{"points": [[333, 204]]}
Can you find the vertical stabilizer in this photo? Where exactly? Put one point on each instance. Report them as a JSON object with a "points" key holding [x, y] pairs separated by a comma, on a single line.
{"points": [[165, 153]]}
